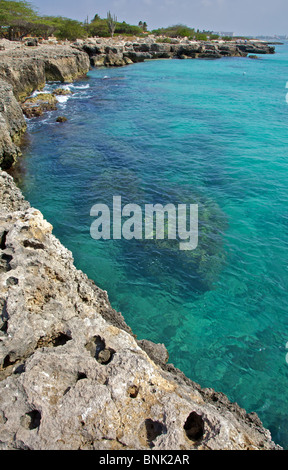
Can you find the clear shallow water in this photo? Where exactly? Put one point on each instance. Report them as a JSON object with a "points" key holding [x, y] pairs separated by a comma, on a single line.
{"points": [[194, 131]]}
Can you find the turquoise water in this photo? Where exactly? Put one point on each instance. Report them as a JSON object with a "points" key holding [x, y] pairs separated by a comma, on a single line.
{"points": [[195, 131]]}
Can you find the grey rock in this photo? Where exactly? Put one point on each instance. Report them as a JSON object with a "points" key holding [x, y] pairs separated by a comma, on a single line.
{"points": [[112, 52]]}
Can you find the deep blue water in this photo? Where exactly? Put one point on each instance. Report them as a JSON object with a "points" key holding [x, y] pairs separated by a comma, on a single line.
{"points": [[208, 132]]}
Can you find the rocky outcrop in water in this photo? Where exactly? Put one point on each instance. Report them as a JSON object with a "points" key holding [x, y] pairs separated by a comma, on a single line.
{"points": [[37, 105], [73, 375]]}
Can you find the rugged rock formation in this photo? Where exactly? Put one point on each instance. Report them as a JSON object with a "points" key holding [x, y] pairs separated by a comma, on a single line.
{"points": [[12, 125], [37, 105], [72, 374], [29, 69], [22, 71], [107, 52]]}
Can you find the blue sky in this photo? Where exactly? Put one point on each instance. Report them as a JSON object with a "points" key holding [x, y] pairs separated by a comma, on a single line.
{"points": [[248, 17]]}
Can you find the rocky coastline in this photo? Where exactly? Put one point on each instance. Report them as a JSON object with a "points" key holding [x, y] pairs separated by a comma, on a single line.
{"points": [[105, 52], [72, 373]]}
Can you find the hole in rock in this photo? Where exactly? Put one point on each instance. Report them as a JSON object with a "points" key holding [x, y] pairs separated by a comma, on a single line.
{"points": [[20, 369], [4, 326], [58, 339], [33, 244], [97, 348], [3, 240], [3, 316], [5, 262], [194, 427], [12, 281], [34, 419], [153, 429], [81, 376], [133, 391], [8, 361], [61, 339]]}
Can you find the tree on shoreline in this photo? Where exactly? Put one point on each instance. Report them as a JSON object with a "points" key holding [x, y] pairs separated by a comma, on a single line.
{"points": [[16, 18], [143, 25], [19, 19], [112, 23]]}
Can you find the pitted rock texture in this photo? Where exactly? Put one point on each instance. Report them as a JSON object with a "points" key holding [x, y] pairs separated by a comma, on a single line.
{"points": [[72, 374]]}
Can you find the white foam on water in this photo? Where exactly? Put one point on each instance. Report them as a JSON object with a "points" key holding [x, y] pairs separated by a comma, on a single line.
{"points": [[67, 87], [37, 92], [81, 87], [62, 98]]}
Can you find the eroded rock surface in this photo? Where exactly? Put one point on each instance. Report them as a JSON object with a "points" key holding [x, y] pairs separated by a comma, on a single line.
{"points": [[72, 374], [22, 71], [12, 125], [120, 52], [28, 69]]}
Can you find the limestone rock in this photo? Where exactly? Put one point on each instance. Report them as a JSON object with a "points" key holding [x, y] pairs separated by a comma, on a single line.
{"points": [[72, 373], [12, 125], [22, 71], [117, 52], [27, 69]]}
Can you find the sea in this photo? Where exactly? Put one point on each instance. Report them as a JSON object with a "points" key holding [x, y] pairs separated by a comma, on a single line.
{"points": [[211, 133]]}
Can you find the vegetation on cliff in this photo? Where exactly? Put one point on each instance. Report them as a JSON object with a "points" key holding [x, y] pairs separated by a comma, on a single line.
{"points": [[19, 19], [180, 30]]}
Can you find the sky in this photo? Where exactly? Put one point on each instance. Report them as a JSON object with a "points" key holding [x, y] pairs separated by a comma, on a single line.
{"points": [[246, 17]]}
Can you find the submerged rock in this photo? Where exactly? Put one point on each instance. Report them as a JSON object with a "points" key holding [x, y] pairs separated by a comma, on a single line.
{"points": [[61, 119]]}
